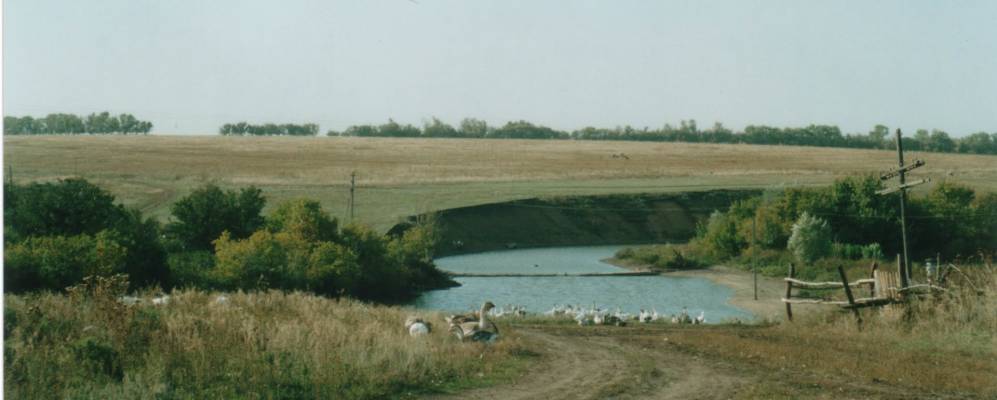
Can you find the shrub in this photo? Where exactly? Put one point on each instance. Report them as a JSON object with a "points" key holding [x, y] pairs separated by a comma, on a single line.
{"points": [[720, 235], [55, 262], [872, 251], [304, 218], [811, 238]]}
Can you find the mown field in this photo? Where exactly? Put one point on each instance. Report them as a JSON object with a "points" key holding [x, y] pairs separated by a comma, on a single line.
{"points": [[401, 177]]}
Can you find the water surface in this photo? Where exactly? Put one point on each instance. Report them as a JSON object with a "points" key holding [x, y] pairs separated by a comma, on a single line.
{"points": [[666, 294]]}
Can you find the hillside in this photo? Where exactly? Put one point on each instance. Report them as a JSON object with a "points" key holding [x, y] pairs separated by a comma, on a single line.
{"points": [[401, 177]]}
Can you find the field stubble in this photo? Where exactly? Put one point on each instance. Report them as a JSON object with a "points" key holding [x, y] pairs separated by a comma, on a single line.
{"points": [[401, 177]]}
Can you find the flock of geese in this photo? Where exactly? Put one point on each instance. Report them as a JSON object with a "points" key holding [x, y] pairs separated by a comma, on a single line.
{"points": [[478, 326], [599, 316]]}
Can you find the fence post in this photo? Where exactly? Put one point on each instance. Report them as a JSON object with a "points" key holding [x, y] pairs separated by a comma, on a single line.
{"points": [[789, 293], [848, 293], [875, 282]]}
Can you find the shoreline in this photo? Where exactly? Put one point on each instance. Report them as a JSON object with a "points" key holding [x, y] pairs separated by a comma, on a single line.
{"points": [[769, 305]]}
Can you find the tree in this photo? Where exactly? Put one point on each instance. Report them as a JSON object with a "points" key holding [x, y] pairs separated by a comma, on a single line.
{"points": [[437, 128], [978, 143], [68, 207], [720, 236], [76, 208], [941, 142], [878, 134], [811, 239], [202, 216], [473, 128]]}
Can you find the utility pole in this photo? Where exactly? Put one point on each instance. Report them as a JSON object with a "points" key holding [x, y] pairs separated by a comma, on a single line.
{"points": [[353, 184], [901, 172], [9, 194], [754, 261]]}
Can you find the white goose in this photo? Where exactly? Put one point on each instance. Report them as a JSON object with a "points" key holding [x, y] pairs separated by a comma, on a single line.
{"points": [[417, 327], [701, 319]]}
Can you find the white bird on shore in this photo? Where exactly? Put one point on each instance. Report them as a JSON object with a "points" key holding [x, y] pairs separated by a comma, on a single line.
{"points": [[654, 315], [417, 327], [701, 319]]}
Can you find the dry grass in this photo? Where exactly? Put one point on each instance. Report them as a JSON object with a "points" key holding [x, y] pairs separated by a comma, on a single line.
{"points": [[267, 345], [400, 177], [947, 347]]}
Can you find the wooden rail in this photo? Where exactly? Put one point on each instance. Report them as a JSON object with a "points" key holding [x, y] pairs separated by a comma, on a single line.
{"points": [[883, 290], [828, 285]]}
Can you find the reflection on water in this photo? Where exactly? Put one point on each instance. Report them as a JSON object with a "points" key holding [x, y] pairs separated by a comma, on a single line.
{"points": [[665, 294]]}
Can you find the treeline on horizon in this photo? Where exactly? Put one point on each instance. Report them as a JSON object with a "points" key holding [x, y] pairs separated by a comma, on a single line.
{"points": [[58, 233], [268, 129], [687, 131], [71, 124]]}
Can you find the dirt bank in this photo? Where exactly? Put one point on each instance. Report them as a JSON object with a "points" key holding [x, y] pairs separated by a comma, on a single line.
{"points": [[575, 220]]}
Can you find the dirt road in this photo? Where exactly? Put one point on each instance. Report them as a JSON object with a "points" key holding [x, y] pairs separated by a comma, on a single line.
{"points": [[641, 362], [598, 363]]}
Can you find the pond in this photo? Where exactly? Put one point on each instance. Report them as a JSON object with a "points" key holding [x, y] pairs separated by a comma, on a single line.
{"points": [[666, 294]]}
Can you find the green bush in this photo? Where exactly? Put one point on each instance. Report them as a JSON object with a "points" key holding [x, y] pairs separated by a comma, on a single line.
{"points": [[56, 262], [667, 256], [304, 218], [811, 239], [720, 235]]}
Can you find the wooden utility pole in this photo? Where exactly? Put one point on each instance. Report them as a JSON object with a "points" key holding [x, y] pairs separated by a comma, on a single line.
{"points": [[353, 185], [901, 172], [754, 261]]}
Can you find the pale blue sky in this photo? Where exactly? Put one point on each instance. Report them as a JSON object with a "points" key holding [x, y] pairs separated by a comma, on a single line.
{"points": [[190, 66]]}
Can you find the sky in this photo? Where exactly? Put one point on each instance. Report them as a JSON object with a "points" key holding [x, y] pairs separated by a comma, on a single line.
{"points": [[191, 66]]}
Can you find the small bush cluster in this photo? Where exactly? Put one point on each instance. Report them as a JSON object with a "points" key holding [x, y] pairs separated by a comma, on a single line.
{"points": [[667, 256]]}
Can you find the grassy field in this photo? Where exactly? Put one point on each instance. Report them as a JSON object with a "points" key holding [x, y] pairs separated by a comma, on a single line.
{"points": [[260, 345], [401, 177]]}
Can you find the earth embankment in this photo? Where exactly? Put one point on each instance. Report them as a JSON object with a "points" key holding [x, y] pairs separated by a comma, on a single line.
{"points": [[576, 220]]}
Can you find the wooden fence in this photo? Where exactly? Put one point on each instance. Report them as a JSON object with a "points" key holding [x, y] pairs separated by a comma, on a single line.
{"points": [[882, 290]]}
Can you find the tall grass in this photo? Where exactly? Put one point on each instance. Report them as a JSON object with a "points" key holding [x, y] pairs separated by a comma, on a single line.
{"points": [[262, 345]]}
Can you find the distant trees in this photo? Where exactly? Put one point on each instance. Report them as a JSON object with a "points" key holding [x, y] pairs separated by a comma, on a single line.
{"points": [[689, 131], [71, 124], [268, 129]]}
